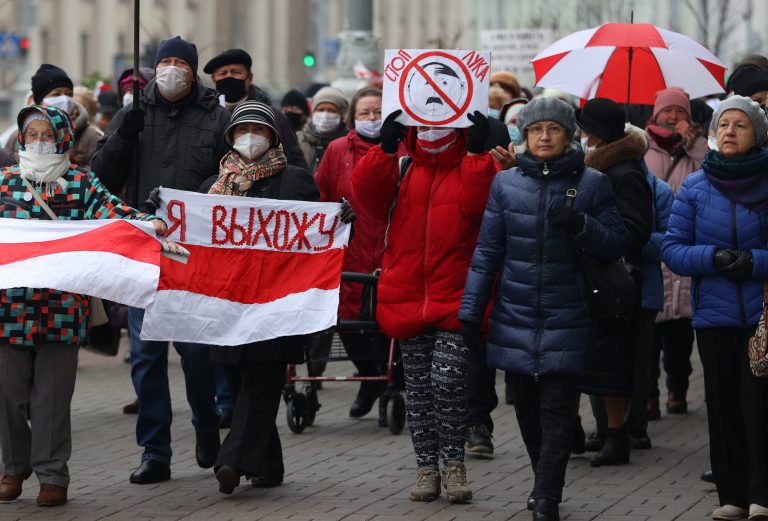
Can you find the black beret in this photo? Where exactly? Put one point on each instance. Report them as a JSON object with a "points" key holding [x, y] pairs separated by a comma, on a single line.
{"points": [[229, 57]]}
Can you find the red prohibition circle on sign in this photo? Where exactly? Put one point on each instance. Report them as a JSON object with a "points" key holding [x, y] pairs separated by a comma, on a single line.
{"points": [[404, 77]]}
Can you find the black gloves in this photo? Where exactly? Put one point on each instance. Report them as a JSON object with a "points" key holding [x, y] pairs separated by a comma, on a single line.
{"points": [[153, 201], [470, 332], [392, 132], [132, 124], [566, 218], [347, 214], [478, 133], [734, 265]]}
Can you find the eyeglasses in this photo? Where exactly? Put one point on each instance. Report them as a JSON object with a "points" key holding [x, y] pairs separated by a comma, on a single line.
{"points": [[538, 131], [47, 136]]}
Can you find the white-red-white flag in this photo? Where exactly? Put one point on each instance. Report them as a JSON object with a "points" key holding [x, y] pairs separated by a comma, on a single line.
{"points": [[258, 269], [114, 259]]}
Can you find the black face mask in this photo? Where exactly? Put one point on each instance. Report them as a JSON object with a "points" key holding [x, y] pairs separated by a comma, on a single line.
{"points": [[232, 88], [294, 118]]}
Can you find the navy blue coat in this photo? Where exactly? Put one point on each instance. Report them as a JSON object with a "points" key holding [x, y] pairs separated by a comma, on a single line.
{"points": [[653, 281], [540, 323], [703, 220]]}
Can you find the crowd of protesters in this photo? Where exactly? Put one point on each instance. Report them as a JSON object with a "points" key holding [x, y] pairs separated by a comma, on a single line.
{"points": [[482, 237]]}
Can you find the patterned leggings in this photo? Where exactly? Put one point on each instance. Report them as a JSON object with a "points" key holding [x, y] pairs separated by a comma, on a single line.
{"points": [[436, 404]]}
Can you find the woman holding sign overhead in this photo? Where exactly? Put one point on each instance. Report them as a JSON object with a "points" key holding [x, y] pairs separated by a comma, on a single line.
{"points": [[434, 201], [256, 167]]}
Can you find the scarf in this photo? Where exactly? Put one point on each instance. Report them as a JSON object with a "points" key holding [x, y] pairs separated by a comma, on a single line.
{"points": [[236, 176], [44, 169], [742, 180], [667, 139]]}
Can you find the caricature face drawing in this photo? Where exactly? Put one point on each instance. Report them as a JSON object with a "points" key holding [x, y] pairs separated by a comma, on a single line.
{"points": [[424, 99]]}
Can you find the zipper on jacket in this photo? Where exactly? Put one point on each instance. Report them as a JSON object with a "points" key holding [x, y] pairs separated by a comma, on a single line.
{"points": [[540, 272], [739, 287]]}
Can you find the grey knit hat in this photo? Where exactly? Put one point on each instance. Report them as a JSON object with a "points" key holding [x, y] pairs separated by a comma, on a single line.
{"points": [[331, 95], [753, 111], [547, 109]]}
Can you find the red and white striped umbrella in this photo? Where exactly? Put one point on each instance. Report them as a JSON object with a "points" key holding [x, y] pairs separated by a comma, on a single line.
{"points": [[595, 63]]}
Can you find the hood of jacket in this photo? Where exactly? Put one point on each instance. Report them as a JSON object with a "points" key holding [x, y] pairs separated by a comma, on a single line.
{"points": [[206, 98], [60, 121], [632, 146]]}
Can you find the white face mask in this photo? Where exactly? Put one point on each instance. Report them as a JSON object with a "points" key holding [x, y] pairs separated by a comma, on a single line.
{"points": [[127, 99], [251, 146], [325, 121], [65, 103], [434, 134], [41, 147], [171, 80], [368, 128]]}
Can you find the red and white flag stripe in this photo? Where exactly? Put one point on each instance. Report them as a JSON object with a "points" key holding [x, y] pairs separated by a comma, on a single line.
{"points": [[258, 269], [115, 259]]}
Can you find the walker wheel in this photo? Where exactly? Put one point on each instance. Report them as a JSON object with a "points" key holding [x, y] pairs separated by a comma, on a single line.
{"points": [[297, 413], [396, 413]]}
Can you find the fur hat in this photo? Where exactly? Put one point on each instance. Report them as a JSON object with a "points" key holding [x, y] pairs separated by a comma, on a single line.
{"points": [[547, 109], [603, 118]]}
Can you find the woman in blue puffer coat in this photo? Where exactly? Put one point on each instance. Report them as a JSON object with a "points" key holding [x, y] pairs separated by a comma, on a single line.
{"points": [[540, 325], [717, 235]]}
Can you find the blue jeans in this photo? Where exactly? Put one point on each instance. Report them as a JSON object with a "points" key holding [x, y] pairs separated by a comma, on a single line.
{"points": [[223, 396], [149, 372]]}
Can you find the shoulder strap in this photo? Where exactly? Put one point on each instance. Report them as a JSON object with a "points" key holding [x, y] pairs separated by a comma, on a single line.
{"points": [[45, 207], [403, 164], [668, 173], [570, 194]]}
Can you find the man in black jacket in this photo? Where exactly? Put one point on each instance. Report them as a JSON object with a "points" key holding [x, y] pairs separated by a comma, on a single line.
{"points": [[173, 138], [231, 73]]}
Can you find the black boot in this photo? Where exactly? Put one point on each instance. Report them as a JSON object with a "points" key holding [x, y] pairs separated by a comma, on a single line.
{"points": [[546, 510], [366, 397], [207, 445], [594, 442], [615, 450]]}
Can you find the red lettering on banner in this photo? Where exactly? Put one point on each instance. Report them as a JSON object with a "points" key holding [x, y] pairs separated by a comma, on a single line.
{"points": [[301, 230], [477, 64], [218, 215], [179, 221], [234, 227], [286, 230], [396, 64], [263, 223], [330, 233]]}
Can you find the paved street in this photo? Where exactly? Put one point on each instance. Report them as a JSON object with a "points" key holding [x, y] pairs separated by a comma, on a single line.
{"points": [[353, 470]]}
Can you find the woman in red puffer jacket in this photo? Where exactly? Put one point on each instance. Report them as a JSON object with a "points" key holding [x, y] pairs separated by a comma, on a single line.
{"points": [[432, 233]]}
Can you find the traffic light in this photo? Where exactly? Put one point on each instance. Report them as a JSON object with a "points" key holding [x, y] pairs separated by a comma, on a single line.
{"points": [[23, 46], [309, 59]]}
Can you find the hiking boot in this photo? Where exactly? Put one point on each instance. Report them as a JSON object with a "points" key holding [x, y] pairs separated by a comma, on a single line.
{"points": [[10, 486], [51, 495], [454, 478], [478, 442], [427, 485]]}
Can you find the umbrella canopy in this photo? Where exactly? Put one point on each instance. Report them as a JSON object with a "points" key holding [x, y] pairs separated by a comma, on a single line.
{"points": [[595, 63]]}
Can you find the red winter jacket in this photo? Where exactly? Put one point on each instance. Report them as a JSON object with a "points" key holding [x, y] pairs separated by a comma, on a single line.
{"points": [[363, 255], [432, 235]]}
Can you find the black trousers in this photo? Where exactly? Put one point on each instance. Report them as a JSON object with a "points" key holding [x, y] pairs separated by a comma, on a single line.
{"points": [[481, 390], [546, 412], [737, 413], [252, 445], [675, 339], [634, 416]]}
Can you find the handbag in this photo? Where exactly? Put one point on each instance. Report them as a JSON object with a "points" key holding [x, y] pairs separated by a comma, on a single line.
{"points": [[757, 349], [103, 338], [610, 288]]}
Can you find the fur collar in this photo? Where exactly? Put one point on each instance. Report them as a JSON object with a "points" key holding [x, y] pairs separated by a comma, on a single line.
{"points": [[633, 145]]}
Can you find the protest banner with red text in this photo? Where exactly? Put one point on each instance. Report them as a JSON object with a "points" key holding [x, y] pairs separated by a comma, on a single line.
{"points": [[258, 269], [436, 87]]}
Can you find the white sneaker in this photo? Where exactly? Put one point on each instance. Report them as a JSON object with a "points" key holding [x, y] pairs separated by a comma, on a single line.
{"points": [[728, 512], [758, 511]]}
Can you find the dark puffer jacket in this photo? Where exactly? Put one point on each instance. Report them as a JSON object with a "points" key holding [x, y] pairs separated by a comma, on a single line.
{"points": [[540, 323], [180, 147]]}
